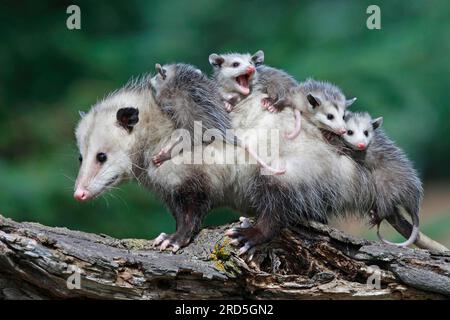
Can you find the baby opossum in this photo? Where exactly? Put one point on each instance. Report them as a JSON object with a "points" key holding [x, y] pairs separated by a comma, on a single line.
{"points": [[396, 181], [234, 74], [239, 74], [188, 96], [321, 103]]}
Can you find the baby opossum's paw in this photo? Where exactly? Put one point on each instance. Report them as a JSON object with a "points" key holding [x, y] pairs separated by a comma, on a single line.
{"points": [[228, 106], [266, 103], [162, 156], [246, 237], [273, 109], [174, 241]]}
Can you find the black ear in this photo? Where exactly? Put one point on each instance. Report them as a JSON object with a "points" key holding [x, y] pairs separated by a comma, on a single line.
{"points": [[215, 60], [161, 71], [314, 101], [377, 123], [258, 58], [127, 118]]}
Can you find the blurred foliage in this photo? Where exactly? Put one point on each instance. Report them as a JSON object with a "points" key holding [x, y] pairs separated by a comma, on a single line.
{"points": [[48, 73]]}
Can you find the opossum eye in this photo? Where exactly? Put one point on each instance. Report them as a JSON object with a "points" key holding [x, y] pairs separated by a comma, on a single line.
{"points": [[101, 157], [350, 132], [330, 116], [235, 64], [80, 158], [366, 133]]}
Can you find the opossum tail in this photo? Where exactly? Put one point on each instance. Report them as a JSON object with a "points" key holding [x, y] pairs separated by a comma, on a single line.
{"points": [[412, 238], [238, 142], [298, 126]]}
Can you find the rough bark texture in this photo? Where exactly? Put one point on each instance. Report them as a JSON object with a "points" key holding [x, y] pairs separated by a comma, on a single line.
{"points": [[308, 262]]}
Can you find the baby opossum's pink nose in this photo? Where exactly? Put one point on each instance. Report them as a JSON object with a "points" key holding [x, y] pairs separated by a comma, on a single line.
{"points": [[361, 146], [81, 194], [342, 131], [250, 70]]}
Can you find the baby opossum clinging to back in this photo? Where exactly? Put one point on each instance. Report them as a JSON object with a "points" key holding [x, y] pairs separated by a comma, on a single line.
{"points": [[238, 75], [321, 103], [396, 181], [187, 96]]}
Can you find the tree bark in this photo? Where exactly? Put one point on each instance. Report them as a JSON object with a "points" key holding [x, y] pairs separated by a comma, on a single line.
{"points": [[306, 262]]}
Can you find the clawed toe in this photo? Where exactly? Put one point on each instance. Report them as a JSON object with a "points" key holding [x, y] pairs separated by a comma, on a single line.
{"points": [[266, 103], [241, 236], [165, 241], [245, 222], [272, 109], [228, 107]]}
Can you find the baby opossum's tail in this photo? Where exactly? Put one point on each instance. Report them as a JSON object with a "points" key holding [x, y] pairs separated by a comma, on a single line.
{"points": [[413, 236], [238, 142], [298, 126]]}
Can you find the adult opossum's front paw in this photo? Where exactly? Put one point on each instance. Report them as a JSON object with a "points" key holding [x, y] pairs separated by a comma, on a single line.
{"points": [[170, 241], [246, 237]]}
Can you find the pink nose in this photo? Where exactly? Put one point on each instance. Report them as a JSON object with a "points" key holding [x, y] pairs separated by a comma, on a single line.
{"points": [[342, 131], [361, 146], [81, 194], [250, 70]]}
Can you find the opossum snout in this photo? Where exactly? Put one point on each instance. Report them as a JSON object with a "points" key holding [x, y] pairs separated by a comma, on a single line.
{"points": [[81, 194], [341, 131], [361, 146], [250, 70]]}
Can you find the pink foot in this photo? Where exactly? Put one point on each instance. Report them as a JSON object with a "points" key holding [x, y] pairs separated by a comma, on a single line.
{"points": [[273, 109], [228, 106], [266, 103], [161, 157]]}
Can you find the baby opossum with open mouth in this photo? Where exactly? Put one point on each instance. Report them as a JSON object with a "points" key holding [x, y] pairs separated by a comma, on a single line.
{"points": [[185, 94], [396, 181], [238, 75]]}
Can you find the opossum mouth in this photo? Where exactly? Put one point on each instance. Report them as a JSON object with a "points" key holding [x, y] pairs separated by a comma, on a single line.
{"points": [[243, 84]]}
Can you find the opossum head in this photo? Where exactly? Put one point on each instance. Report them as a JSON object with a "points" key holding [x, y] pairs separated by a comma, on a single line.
{"points": [[321, 106], [360, 129], [105, 140], [236, 72]]}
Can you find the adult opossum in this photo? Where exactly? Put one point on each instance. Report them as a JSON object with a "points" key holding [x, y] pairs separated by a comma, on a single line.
{"points": [[119, 135]]}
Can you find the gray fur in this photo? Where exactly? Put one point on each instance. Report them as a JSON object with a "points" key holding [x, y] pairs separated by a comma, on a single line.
{"points": [[187, 96], [330, 91], [275, 83]]}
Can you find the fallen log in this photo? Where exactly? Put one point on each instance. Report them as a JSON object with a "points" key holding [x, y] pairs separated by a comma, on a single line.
{"points": [[310, 261]]}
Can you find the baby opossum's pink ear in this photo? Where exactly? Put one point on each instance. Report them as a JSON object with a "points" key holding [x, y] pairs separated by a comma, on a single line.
{"points": [[127, 118], [376, 123], [258, 58], [349, 102], [313, 101], [215, 60], [161, 70]]}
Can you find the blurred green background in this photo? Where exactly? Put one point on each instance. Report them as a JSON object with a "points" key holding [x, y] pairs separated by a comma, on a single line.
{"points": [[48, 73]]}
